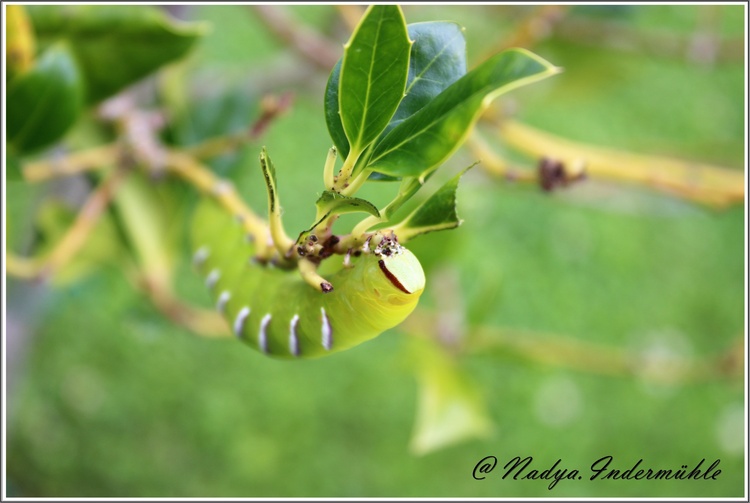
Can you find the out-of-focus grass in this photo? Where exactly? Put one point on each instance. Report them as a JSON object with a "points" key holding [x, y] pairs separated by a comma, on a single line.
{"points": [[113, 400]]}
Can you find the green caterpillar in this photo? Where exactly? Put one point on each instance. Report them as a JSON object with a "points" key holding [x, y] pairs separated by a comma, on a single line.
{"points": [[276, 312]]}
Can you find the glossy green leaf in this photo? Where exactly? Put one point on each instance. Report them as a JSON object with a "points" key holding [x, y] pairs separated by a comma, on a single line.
{"points": [[45, 101], [423, 141], [373, 74], [380, 177], [332, 203], [437, 213], [333, 119], [116, 45], [450, 408], [437, 59]]}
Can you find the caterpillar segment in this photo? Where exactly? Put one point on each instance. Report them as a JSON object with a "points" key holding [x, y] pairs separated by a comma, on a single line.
{"points": [[277, 313]]}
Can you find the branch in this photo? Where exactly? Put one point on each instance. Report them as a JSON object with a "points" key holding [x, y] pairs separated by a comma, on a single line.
{"points": [[570, 353], [698, 182], [74, 238], [223, 191], [72, 164], [496, 165], [271, 108], [201, 321]]}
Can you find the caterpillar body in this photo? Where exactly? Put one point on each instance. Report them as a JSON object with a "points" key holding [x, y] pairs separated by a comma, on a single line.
{"points": [[276, 312]]}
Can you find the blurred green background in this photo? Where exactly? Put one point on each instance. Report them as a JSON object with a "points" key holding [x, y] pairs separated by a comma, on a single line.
{"points": [[106, 397]]}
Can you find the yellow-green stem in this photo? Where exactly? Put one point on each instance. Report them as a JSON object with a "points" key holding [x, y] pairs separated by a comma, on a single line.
{"points": [[330, 165], [342, 181], [356, 184], [365, 224]]}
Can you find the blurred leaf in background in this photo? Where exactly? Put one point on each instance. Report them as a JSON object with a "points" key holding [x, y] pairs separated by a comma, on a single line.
{"points": [[114, 45], [87, 53]]}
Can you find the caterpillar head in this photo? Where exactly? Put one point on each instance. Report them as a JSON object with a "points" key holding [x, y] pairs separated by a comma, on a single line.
{"points": [[396, 278]]}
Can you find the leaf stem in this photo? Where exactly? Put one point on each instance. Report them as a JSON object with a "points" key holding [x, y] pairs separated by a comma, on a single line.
{"points": [[328, 168], [366, 223], [271, 106], [567, 352], [203, 322], [356, 183]]}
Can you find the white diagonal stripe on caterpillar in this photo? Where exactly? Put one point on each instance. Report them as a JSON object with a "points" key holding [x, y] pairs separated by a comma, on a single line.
{"points": [[262, 336], [293, 342], [239, 321], [212, 278], [221, 304], [200, 255], [326, 330]]}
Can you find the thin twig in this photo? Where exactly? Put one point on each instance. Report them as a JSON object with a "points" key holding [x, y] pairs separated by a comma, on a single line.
{"points": [[699, 182], [204, 322], [75, 237], [271, 107], [79, 162], [568, 352], [581, 356], [223, 191]]}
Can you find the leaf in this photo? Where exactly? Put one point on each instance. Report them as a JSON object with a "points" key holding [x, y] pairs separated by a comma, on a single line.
{"points": [[269, 175], [373, 74], [437, 213], [116, 45], [437, 59], [450, 408], [423, 141], [332, 203], [45, 101], [380, 177]]}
